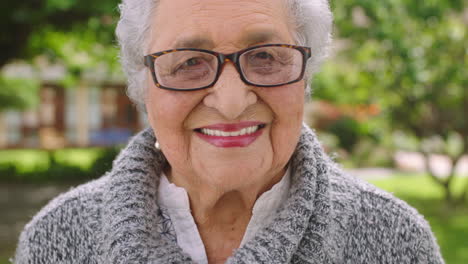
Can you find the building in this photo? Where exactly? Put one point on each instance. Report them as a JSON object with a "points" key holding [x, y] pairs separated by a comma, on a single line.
{"points": [[96, 112]]}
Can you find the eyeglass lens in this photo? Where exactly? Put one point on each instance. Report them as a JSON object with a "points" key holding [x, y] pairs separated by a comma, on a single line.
{"points": [[269, 65]]}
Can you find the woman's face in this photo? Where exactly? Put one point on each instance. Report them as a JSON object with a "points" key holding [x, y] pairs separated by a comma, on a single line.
{"points": [[179, 118]]}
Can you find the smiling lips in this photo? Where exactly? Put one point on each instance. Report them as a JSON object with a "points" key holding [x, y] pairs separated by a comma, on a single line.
{"points": [[231, 135]]}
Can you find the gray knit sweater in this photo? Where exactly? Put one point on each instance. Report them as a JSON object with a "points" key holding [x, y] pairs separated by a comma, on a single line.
{"points": [[329, 217]]}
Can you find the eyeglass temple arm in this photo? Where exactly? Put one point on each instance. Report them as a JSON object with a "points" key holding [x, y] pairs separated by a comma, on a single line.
{"points": [[147, 60]]}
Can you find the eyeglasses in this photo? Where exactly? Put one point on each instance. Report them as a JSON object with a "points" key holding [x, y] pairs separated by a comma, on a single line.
{"points": [[267, 65]]}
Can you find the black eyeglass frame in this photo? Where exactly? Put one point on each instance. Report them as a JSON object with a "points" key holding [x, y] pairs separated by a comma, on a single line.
{"points": [[222, 59]]}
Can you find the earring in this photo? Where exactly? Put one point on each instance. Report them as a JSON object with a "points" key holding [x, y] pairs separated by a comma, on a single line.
{"points": [[156, 145]]}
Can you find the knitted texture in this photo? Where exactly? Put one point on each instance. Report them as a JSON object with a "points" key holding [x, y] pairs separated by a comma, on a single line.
{"points": [[329, 217]]}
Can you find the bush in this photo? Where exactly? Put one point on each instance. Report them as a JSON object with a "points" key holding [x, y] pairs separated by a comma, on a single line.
{"points": [[348, 131], [104, 162], [65, 165]]}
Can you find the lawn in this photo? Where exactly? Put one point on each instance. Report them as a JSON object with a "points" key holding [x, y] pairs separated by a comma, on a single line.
{"points": [[32, 159], [41, 166]]}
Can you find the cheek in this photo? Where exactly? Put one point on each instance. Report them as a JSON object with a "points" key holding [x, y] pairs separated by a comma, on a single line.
{"points": [[168, 109], [168, 112], [287, 104]]}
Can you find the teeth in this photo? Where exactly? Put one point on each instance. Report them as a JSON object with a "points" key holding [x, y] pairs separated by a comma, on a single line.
{"points": [[219, 133]]}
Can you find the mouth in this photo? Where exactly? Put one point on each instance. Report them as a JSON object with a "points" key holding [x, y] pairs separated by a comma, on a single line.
{"points": [[231, 135]]}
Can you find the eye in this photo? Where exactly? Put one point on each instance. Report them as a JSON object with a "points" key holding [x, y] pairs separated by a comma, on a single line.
{"points": [[192, 62], [190, 65], [263, 55]]}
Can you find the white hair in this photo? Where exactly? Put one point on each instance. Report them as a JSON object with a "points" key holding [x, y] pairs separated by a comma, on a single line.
{"points": [[312, 20]]}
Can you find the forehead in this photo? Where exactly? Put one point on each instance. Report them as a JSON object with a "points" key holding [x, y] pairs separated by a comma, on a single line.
{"points": [[219, 24]]}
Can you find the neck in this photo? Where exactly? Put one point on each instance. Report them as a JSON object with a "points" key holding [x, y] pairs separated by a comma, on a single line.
{"points": [[222, 223], [222, 215], [220, 205]]}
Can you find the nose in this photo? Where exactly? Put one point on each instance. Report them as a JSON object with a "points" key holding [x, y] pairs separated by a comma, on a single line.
{"points": [[230, 96]]}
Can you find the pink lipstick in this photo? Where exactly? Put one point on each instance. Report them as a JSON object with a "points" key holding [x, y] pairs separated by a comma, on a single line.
{"points": [[231, 135]]}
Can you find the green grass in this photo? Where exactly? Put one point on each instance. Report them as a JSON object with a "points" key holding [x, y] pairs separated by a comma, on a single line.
{"points": [[83, 158], [5, 254], [41, 166], [450, 225], [32, 159], [25, 160], [4, 261]]}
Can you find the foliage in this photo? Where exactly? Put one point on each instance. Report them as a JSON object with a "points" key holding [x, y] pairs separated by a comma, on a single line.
{"points": [[348, 131], [76, 34], [18, 93], [85, 49], [63, 165], [104, 162], [410, 58], [21, 19]]}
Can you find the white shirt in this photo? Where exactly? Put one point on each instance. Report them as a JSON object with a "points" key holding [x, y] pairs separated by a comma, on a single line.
{"points": [[175, 201]]}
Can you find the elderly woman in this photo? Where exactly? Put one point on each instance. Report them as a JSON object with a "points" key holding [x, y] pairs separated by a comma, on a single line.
{"points": [[227, 172]]}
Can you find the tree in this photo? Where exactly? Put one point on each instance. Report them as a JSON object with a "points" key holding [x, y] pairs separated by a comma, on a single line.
{"points": [[21, 19], [17, 93], [410, 58], [78, 34]]}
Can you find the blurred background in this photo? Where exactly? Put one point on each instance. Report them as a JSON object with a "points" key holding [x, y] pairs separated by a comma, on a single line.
{"points": [[390, 105]]}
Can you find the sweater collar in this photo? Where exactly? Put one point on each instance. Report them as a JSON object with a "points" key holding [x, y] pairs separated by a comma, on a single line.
{"points": [[130, 208]]}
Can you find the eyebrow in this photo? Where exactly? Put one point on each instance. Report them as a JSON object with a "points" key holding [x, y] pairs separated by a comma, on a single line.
{"points": [[194, 42], [256, 37], [249, 39]]}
